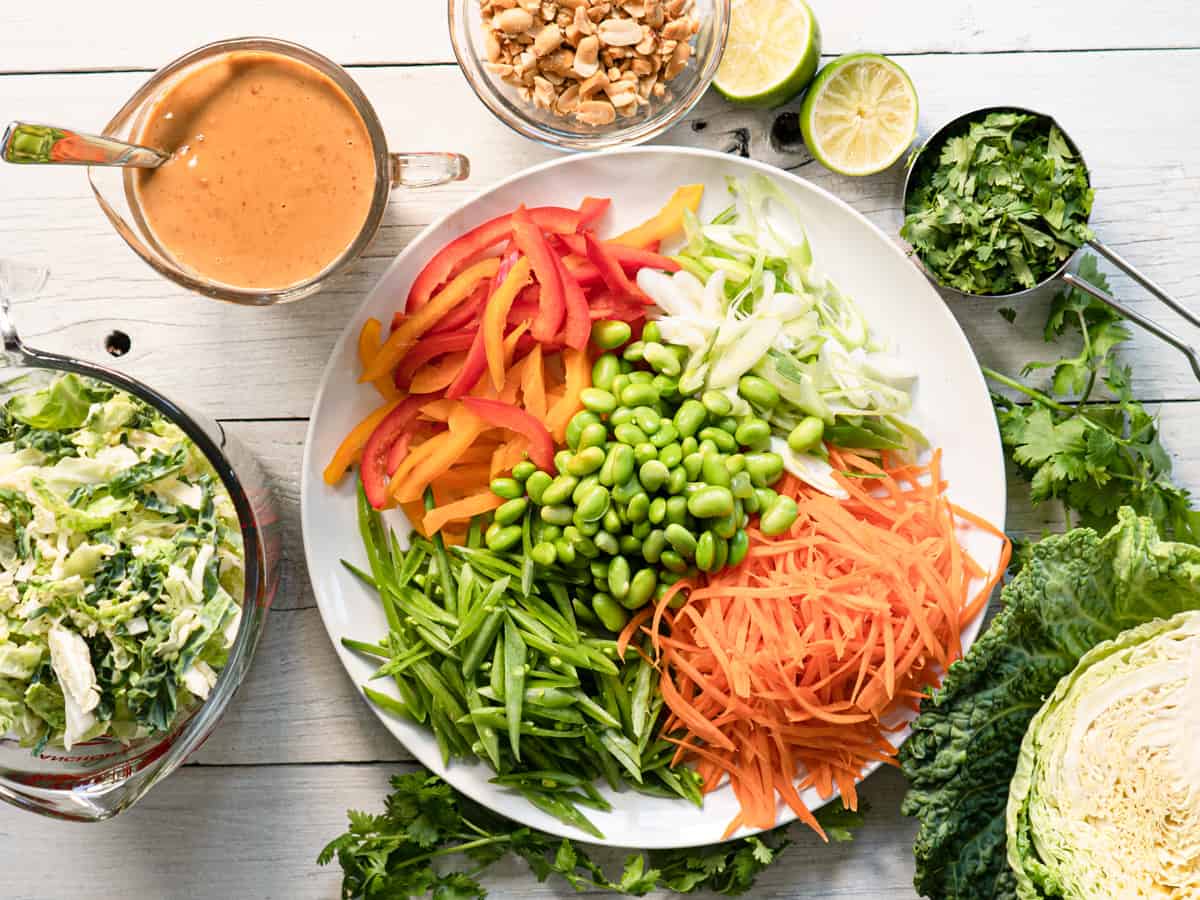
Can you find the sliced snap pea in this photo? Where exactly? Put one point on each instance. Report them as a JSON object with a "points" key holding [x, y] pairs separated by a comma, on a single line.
{"points": [[508, 488], [779, 516], [739, 545], [511, 511], [758, 391], [608, 334], [604, 370], [514, 683], [653, 475], [681, 540], [641, 589], [657, 510], [806, 435], [597, 400], [710, 502], [653, 545]]}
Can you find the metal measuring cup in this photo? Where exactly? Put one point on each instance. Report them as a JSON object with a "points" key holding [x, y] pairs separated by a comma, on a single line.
{"points": [[935, 141]]}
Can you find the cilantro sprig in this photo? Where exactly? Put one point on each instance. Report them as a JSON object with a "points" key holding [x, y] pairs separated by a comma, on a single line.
{"points": [[1092, 455], [1000, 206], [396, 854]]}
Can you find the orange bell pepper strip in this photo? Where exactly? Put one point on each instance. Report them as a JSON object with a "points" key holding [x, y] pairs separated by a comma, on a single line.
{"points": [[475, 505], [438, 376], [498, 414], [413, 326], [533, 384], [508, 455], [496, 315], [368, 349], [667, 222], [464, 429], [351, 446], [438, 410], [578, 370]]}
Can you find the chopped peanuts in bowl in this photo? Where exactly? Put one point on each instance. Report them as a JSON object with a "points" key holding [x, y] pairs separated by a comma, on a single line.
{"points": [[589, 74]]}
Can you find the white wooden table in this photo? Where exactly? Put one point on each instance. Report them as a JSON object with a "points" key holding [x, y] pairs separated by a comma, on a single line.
{"points": [[246, 817]]}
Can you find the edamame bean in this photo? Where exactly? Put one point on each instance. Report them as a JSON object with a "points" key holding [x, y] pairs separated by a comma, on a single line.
{"points": [[522, 470], [713, 471], [608, 334], [559, 490], [753, 433], [641, 376], [585, 547], [622, 414], [653, 475], [610, 613], [706, 551], [653, 545], [739, 545], [633, 353], [645, 452], [586, 461], [594, 504], [638, 508], [647, 419], [677, 510], [741, 485], [639, 395], [764, 468], [629, 544], [607, 544], [618, 577], [549, 532], [597, 400], [666, 385], [560, 460], [722, 557], [611, 522], [677, 480], [724, 441], [673, 562], [598, 568], [690, 417], [593, 435], [765, 497], [671, 454], [625, 491], [707, 446], [779, 517], [511, 511], [657, 510], [806, 435], [557, 515], [726, 526], [661, 359], [710, 502], [623, 463], [665, 434], [681, 540], [727, 423], [758, 391], [584, 488], [693, 463], [750, 503], [688, 445], [536, 484], [578, 422], [641, 589], [544, 554], [589, 529], [640, 529], [628, 433], [735, 462], [508, 488], [651, 332], [604, 370], [716, 403], [500, 537]]}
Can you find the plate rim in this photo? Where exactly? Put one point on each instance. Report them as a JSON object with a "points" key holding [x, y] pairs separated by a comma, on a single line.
{"points": [[977, 384]]}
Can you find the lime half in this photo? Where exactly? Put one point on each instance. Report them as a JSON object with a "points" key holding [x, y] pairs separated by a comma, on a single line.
{"points": [[860, 114], [772, 52]]}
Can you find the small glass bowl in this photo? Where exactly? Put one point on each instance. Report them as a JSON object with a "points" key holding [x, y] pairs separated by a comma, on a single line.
{"points": [[97, 779], [565, 132]]}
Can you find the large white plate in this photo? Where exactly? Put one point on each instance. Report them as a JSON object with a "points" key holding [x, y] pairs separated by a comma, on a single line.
{"points": [[952, 405]]}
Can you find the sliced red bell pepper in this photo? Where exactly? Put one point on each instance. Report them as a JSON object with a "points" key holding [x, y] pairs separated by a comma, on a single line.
{"points": [[525, 308], [496, 316], [508, 258], [513, 418], [630, 258], [430, 347], [552, 310], [556, 219], [473, 368], [579, 324], [611, 273], [592, 208], [461, 316], [399, 450], [373, 466], [606, 306]]}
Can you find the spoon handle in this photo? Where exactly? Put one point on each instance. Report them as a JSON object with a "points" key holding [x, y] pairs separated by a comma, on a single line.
{"points": [[24, 142]]}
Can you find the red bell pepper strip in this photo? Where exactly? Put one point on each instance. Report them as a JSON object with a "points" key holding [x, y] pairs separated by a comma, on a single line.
{"points": [[592, 208], [373, 467], [613, 275], [398, 452], [631, 258], [461, 316], [579, 324], [513, 418], [531, 242], [430, 347], [496, 315], [606, 306], [549, 218], [525, 309], [473, 368]]}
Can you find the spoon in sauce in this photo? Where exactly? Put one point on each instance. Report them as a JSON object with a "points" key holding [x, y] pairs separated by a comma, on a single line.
{"points": [[28, 143]]}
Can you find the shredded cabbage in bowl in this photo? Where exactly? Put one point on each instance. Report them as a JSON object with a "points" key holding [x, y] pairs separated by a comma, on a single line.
{"points": [[121, 566]]}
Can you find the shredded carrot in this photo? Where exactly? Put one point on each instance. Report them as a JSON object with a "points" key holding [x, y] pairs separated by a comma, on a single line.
{"points": [[790, 670]]}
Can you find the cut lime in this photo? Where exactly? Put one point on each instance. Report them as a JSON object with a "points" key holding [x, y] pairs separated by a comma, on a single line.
{"points": [[860, 114], [772, 52]]}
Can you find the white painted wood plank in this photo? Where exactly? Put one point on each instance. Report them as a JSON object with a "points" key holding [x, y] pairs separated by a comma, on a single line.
{"points": [[80, 35], [254, 832]]}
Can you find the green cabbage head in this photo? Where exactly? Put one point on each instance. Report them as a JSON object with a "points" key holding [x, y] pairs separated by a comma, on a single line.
{"points": [[1105, 801]]}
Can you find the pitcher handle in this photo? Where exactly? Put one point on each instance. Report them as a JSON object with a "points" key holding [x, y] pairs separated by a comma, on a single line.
{"points": [[427, 169], [18, 281]]}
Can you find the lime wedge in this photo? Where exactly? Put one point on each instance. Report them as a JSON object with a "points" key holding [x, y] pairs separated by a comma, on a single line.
{"points": [[772, 52], [860, 114]]}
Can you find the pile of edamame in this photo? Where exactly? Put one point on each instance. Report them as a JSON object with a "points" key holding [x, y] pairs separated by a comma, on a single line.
{"points": [[654, 484]]}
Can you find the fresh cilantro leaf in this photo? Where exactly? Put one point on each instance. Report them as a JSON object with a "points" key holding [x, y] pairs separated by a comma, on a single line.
{"points": [[840, 823], [1008, 314]]}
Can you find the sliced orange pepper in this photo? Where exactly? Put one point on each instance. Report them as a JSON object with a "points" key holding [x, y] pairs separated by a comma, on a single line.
{"points": [[436, 376], [533, 384], [496, 314], [667, 222], [464, 429], [353, 443], [474, 505], [579, 375], [438, 410], [508, 455], [412, 327], [368, 349]]}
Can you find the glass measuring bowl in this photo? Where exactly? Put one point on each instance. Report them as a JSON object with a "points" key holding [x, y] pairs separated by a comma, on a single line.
{"points": [[100, 778], [115, 191]]}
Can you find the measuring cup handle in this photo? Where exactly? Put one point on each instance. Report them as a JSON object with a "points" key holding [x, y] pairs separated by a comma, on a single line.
{"points": [[1117, 260], [427, 169], [1138, 319]]}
